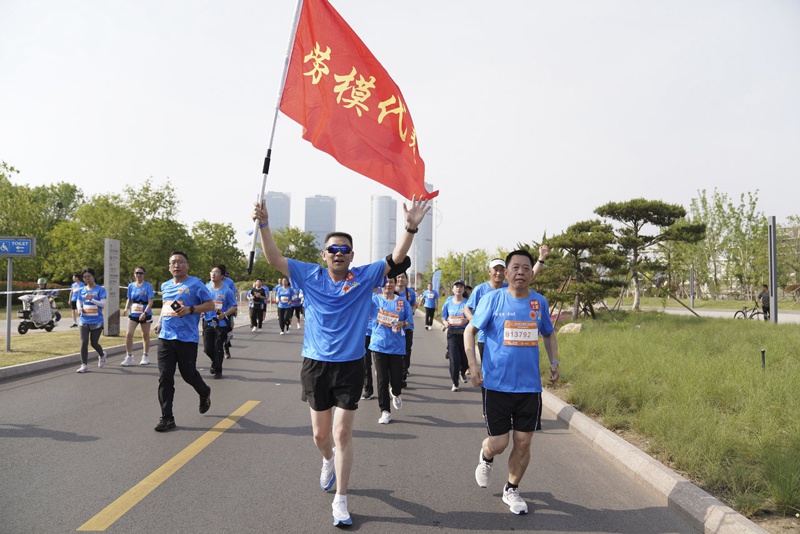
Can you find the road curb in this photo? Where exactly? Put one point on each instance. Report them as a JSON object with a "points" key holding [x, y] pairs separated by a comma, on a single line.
{"points": [[698, 506], [23, 369]]}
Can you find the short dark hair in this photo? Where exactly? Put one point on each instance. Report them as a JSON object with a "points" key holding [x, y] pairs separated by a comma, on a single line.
{"points": [[140, 267], [519, 252], [179, 253], [339, 234], [220, 267], [88, 270], [76, 273]]}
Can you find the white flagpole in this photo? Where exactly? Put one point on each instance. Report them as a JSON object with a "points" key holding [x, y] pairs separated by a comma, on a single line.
{"points": [[268, 157]]}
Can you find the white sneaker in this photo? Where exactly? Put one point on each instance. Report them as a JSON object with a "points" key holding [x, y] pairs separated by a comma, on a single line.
{"points": [[386, 417], [397, 402], [145, 360], [127, 361], [483, 473], [282, 332], [259, 330], [340, 513], [254, 329], [83, 368], [454, 388], [514, 501], [101, 360], [298, 326], [327, 476]]}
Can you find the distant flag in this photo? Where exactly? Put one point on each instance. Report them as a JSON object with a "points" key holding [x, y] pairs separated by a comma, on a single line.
{"points": [[436, 281], [348, 104]]}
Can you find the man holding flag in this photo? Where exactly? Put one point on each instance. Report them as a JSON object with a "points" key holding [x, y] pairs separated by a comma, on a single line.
{"points": [[350, 108], [338, 300]]}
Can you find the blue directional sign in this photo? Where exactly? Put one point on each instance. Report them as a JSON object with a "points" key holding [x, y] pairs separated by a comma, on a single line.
{"points": [[17, 247]]}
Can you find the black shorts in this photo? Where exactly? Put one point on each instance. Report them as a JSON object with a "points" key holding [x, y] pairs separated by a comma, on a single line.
{"points": [[511, 411], [147, 319], [73, 304], [329, 384]]}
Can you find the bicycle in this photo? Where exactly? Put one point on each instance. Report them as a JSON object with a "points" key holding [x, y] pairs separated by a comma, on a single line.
{"points": [[747, 313]]}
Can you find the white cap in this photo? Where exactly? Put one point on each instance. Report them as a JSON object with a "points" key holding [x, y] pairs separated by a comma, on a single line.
{"points": [[495, 262]]}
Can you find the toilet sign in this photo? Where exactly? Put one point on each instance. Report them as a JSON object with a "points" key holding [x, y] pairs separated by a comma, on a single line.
{"points": [[17, 247]]}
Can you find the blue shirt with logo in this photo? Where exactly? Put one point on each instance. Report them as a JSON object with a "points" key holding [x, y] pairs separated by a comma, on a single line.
{"points": [[335, 311], [510, 359]]}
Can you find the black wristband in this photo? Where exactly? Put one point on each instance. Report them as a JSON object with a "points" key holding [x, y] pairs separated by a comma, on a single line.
{"points": [[191, 309], [412, 231], [540, 261]]}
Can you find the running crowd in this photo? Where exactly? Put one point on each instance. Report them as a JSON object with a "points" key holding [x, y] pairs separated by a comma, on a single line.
{"points": [[508, 318]]}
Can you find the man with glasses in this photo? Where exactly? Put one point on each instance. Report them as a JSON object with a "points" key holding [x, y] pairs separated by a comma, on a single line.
{"points": [[338, 301], [184, 298]]}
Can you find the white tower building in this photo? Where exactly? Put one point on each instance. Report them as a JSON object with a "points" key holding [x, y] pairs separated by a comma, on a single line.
{"points": [[383, 227]]}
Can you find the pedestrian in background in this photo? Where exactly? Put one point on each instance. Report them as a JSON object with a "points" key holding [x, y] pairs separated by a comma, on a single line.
{"points": [[91, 301], [139, 309]]}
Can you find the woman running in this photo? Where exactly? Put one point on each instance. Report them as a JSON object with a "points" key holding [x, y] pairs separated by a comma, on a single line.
{"points": [[139, 309]]}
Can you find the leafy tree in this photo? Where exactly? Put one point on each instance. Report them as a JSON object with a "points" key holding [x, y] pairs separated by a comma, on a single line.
{"points": [[34, 212], [789, 251], [476, 265], [214, 243], [293, 243], [587, 265], [636, 216], [746, 245], [708, 254]]}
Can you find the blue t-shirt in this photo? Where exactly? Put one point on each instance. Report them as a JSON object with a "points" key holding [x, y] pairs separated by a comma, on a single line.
{"points": [[384, 313], [411, 297], [223, 299], [190, 292], [335, 311], [453, 314], [76, 289], [430, 296], [475, 297], [510, 359], [139, 296], [284, 296], [297, 301], [91, 313]]}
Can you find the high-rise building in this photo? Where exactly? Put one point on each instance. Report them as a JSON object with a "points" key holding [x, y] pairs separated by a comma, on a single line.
{"points": [[383, 227], [422, 249], [278, 207], [320, 217]]}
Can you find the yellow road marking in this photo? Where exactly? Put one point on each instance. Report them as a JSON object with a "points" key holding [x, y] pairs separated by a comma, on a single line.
{"points": [[131, 498]]}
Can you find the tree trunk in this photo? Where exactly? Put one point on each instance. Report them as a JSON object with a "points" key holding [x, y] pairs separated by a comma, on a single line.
{"points": [[576, 307], [637, 297]]}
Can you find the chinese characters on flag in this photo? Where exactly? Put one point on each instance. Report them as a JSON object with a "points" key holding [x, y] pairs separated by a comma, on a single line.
{"points": [[348, 105]]}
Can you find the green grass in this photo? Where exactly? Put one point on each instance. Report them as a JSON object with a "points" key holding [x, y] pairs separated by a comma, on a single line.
{"points": [[40, 345], [694, 387], [654, 302]]}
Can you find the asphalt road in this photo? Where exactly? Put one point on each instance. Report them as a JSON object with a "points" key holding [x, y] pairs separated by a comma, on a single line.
{"points": [[74, 444]]}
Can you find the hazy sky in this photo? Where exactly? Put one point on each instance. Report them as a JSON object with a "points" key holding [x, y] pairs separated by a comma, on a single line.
{"points": [[529, 114]]}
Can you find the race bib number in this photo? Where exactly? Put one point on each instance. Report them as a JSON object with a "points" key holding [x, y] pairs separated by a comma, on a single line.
{"points": [[284, 299], [166, 308], [457, 320], [137, 308], [387, 318], [520, 334], [89, 310], [218, 305]]}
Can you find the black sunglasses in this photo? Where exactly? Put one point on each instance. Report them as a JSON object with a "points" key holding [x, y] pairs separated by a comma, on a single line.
{"points": [[138, 272], [335, 249]]}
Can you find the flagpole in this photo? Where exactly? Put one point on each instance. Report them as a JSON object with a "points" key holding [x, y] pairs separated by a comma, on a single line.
{"points": [[268, 157]]}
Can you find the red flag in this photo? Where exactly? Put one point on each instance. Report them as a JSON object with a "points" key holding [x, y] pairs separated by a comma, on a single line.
{"points": [[348, 105]]}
